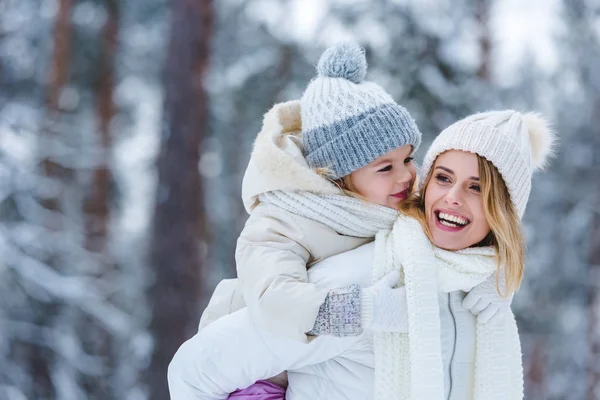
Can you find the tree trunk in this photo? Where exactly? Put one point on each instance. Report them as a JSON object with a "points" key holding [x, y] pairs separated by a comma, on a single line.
{"points": [[535, 375], [482, 16], [96, 340], [594, 303], [97, 202], [176, 252], [40, 359], [594, 257]]}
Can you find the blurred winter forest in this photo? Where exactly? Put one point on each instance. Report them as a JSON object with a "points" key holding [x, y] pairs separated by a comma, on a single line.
{"points": [[126, 126]]}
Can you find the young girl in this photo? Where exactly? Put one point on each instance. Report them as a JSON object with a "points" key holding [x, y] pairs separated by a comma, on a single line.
{"points": [[345, 136], [477, 181], [354, 138]]}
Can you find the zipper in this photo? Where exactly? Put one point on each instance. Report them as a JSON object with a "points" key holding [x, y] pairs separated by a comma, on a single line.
{"points": [[453, 346]]}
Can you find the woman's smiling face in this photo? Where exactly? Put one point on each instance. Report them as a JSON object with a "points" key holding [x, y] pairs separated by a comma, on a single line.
{"points": [[453, 201]]}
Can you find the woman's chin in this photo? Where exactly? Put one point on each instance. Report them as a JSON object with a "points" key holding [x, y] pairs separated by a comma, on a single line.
{"points": [[448, 247], [446, 241]]}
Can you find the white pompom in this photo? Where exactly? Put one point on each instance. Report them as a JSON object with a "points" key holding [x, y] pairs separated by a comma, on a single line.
{"points": [[541, 137]]}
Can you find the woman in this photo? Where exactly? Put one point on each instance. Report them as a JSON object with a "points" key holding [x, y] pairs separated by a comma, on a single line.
{"points": [[477, 181]]}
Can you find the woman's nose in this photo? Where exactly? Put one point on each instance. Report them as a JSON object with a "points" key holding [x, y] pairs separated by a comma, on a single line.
{"points": [[453, 196]]}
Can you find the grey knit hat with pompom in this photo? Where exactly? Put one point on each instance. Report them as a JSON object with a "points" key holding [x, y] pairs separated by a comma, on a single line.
{"points": [[348, 122]]}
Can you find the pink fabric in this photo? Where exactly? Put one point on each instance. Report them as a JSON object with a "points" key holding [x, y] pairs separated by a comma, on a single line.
{"points": [[261, 390]]}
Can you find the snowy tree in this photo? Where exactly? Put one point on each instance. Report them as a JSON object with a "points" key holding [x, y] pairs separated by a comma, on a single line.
{"points": [[178, 233]]}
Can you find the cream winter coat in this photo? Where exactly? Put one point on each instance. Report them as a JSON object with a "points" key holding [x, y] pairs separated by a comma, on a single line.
{"points": [[276, 247], [232, 353]]}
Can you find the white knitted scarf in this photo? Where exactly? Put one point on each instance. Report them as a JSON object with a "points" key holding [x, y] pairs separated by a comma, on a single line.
{"points": [[347, 215], [409, 366]]}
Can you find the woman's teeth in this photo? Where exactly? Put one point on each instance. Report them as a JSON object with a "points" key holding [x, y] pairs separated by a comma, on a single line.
{"points": [[452, 220]]}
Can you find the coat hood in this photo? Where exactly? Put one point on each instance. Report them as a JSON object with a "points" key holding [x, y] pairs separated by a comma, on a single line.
{"points": [[277, 162]]}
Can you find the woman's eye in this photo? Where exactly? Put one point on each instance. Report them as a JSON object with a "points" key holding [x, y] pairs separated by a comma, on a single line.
{"points": [[476, 188], [408, 160], [442, 178], [385, 169]]}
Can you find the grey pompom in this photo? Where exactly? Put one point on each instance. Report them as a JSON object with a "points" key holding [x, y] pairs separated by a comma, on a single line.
{"points": [[345, 60]]}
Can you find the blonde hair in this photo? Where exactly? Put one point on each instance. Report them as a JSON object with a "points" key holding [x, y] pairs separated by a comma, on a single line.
{"points": [[506, 234], [344, 183]]}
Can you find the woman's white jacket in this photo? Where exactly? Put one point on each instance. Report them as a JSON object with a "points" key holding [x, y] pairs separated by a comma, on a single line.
{"points": [[232, 353]]}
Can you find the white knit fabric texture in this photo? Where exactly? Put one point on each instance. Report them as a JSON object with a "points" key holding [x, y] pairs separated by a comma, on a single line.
{"points": [[499, 136], [409, 366], [329, 100], [347, 215], [383, 309]]}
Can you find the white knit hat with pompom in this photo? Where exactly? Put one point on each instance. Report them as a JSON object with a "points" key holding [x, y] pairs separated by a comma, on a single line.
{"points": [[516, 143]]}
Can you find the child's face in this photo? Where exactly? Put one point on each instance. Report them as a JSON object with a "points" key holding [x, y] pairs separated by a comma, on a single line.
{"points": [[453, 202], [387, 180]]}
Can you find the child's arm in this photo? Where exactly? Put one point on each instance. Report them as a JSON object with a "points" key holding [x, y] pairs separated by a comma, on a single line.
{"points": [[350, 310], [271, 260]]}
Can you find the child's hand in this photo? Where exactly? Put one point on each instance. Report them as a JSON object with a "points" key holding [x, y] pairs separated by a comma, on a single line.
{"points": [[384, 306], [350, 310], [485, 301]]}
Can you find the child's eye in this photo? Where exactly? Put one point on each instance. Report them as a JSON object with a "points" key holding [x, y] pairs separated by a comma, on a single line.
{"points": [[408, 160], [385, 169], [442, 178]]}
